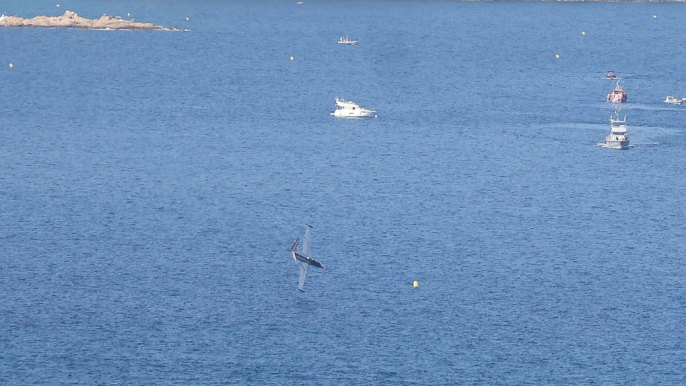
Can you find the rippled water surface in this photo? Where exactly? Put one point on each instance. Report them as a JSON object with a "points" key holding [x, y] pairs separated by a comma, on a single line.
{"points": [[150, 183]]}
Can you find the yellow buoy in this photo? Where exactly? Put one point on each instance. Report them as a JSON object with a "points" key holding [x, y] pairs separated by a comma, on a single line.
{"points": [[583, 32], [415, 284], [292, 58], [11, 65], [557, 56], [187, 18]]}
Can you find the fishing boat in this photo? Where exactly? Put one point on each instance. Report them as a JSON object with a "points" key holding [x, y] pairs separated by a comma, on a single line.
{"points": [[618, 95], [618, 138], [350, 109]]}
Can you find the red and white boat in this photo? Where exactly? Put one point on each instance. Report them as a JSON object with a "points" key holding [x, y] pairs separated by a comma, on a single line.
{"points": [[610, 75], [618, 95]]}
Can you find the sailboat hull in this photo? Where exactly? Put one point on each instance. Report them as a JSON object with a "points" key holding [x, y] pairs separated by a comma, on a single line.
{"points": [[308, 260]]}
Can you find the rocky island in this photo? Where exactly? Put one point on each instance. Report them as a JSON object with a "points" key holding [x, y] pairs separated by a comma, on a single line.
{"points": [[72, 20]]}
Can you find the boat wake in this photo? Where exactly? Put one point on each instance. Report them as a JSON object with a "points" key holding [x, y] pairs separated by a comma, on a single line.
{"points": [[603, 144], [646, 144], [656, 107], [640, 144]]}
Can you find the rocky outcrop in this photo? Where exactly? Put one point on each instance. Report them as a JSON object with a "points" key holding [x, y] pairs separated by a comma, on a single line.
{"points": [[72, 20]]}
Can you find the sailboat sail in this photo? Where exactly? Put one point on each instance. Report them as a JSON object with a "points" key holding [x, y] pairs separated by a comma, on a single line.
{"points": [[306, 242], [303, 273]]}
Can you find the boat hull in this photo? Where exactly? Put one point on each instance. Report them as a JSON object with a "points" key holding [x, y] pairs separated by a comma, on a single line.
{"points": [[673, 101], [355, 114], [617, 144], [616, 98]]}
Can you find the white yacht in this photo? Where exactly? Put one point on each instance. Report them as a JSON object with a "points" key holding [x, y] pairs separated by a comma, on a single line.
{"points": [[347, 40], [674, 101], [618, 137], [350, 109]]}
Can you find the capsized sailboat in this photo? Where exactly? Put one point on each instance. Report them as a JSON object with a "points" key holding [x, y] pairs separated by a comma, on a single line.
{"points": [[303, 256]]}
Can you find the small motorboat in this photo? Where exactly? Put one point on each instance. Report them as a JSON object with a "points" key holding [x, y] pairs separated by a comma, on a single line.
{"points": [[610, 75], [674, 101], [618, 95], [618, 137], [347, 41], [350, 109]]}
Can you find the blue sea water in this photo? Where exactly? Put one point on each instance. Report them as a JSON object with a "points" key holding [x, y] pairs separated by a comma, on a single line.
{"points": [[150, 183]]}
